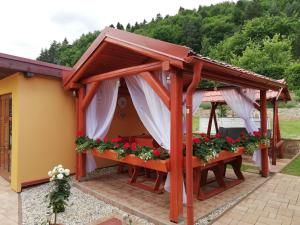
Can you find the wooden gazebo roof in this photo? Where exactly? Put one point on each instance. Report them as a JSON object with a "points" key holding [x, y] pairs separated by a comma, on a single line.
{"points": [[115, 51]]}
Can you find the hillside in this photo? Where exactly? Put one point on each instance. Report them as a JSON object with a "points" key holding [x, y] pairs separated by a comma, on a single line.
{"points": [[260, 35]]}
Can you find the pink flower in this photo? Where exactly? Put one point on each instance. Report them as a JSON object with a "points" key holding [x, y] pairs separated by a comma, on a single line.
{"points": [[133, 146], [98, 140], [206, 139], [116, 145], [126, 146], [238, 140], [156, 152], [196, 140]]}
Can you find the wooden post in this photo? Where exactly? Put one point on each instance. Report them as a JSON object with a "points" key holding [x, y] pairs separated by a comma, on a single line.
{"points": [[176, 158], [212, 112], [215, 119], [275, 124], [189, 142], [81, 158], [263, 122]]}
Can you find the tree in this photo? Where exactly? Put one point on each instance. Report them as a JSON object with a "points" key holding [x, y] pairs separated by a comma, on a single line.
{"points": [[271, 58], [292, 75], [120, 26]]}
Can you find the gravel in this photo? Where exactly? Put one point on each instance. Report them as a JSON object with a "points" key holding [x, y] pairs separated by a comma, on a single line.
{"points": [[82, 208]]}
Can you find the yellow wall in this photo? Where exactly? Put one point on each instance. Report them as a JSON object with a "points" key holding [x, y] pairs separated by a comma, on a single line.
{"points": [[43, 127]]}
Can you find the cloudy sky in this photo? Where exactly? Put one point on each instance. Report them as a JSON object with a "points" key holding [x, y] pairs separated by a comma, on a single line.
{"points": [[27, 26]]}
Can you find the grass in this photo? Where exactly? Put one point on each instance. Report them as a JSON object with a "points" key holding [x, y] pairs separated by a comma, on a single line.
{"points": [[195, 123], [290, 129], [247, 168], [293, 168]]}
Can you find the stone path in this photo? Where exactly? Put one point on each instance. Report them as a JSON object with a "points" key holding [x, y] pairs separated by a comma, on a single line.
{"points": [[275, 202], [8, 204]]}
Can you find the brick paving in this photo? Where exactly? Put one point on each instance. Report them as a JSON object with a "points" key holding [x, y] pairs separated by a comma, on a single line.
{"points": [[115, 190], [275, 202], [8, 204]]}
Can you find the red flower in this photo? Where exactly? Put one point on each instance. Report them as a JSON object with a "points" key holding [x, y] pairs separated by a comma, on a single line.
{"points": [[257, 133], [98, 140], [105, 139], [116, 145], [206, 139], [238, 140], [218, 135], [116, 140], [156, 152], [202, 134], [133, 146], [79, 133], [196, 140], [243, 134], [229, 140], [126, 146]]}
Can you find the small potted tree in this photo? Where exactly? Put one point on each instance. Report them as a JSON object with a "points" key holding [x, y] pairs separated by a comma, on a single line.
{"points": [[60, 190]]}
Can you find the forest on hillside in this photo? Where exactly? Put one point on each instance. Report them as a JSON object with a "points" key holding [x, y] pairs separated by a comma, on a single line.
{"points": [[259, 35]]}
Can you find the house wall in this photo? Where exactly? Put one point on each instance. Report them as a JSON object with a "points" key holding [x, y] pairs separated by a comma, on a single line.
{"points": [[43, 130], [125, 122]]}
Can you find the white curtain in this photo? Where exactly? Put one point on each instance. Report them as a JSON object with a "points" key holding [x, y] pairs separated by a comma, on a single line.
{"points": [[153, 112], [99, 114], [243, 108]]}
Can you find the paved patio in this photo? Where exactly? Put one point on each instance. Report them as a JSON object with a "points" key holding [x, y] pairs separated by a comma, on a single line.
{"points": [[114, 189], [275, 202], [8, 204]]}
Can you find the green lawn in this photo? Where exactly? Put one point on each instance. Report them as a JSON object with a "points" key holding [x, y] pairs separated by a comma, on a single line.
{"points": [[290, 129], [293, 168]]}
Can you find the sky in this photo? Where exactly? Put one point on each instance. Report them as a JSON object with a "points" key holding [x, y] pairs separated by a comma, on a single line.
{"points": [[28, 26]]}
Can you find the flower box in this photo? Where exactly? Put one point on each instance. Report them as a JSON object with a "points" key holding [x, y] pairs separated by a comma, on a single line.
{"points": [[159, 165], [223, 155]]}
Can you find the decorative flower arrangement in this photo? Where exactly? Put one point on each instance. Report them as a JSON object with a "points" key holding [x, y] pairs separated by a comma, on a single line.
{"points": [[204, 147], [208, 149], [121, 147], [60, 189], [253, 142]]}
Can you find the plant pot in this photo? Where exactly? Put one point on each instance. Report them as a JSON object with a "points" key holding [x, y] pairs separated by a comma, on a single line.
{"points": [[223, 155], [159, 165]]}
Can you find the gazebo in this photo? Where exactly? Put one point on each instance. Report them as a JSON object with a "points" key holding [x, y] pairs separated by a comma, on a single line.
{"points": [[173, 73], [215, 98]]}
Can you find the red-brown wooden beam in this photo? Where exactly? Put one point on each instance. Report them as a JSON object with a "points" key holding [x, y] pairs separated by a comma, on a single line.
{"points": [[263, 117], [275, 124], [90, 94], [189, 144], [176, 206], [133, 70], [215, 119], [157, 86], [81, 158]]}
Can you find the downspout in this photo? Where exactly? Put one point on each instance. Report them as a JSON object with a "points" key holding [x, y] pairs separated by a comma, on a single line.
{"points": [[189, 136]]}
